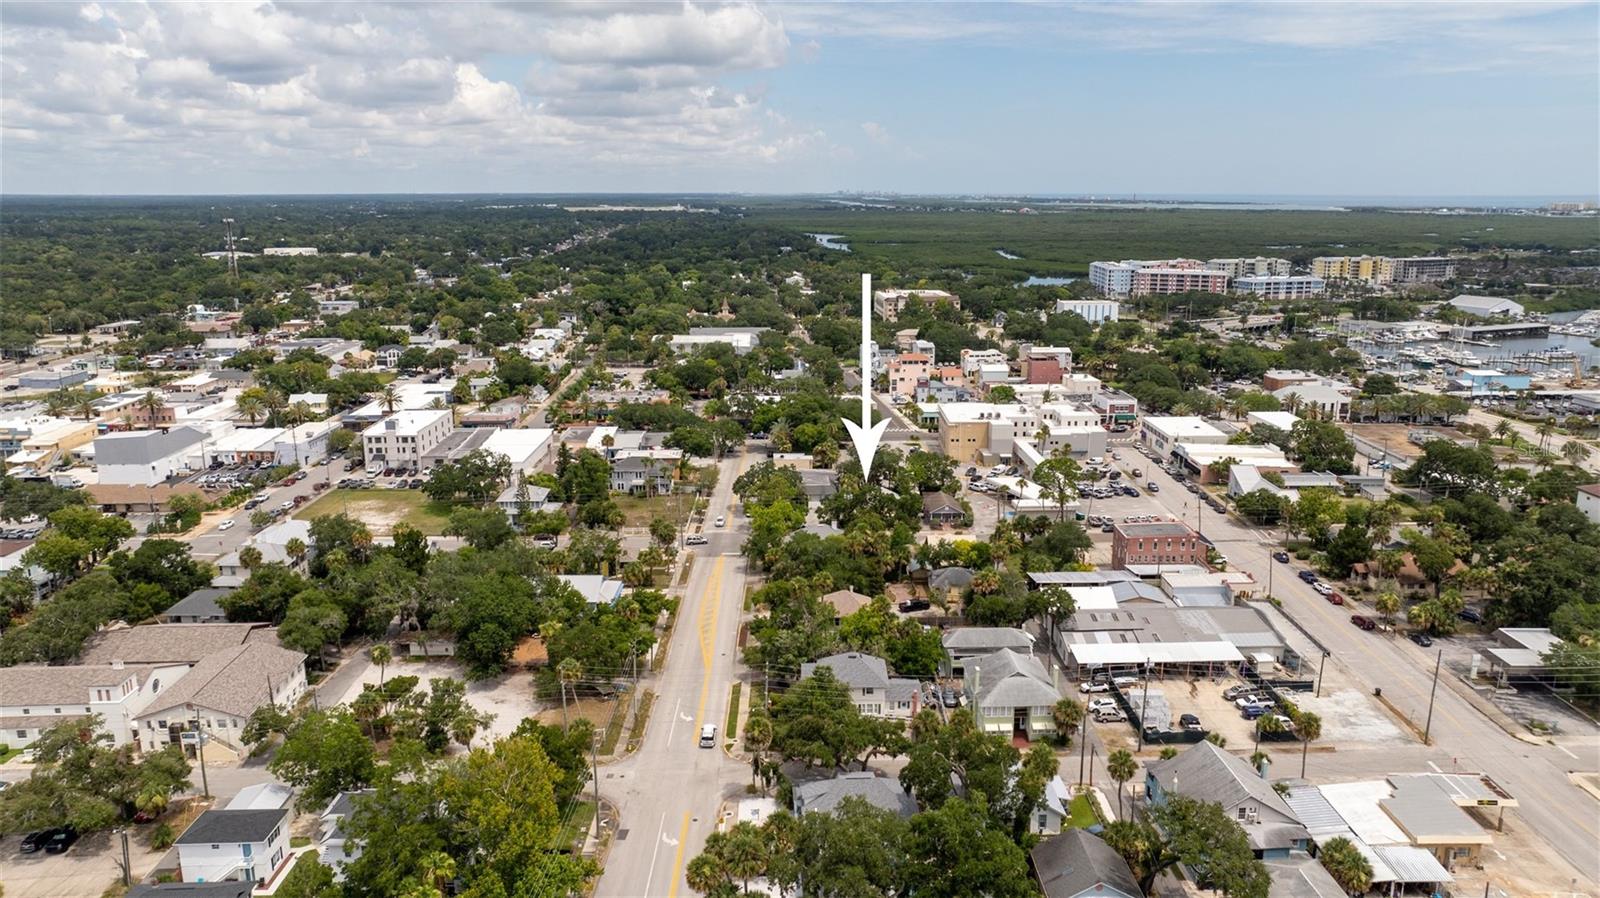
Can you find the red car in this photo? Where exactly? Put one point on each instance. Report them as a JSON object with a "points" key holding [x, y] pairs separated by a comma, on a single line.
{"points": [[1334, 598], [1364, 622]]}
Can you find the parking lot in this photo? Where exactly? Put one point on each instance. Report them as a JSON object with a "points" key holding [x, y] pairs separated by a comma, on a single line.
{"points": [[87, 868]]}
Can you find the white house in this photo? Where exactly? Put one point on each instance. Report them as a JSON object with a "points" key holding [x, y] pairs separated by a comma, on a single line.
{"points": [[1589, 501], [273, 541], [874, 692], [219, 694], [1011, 694], [243, 845], [335, 847], [35, 698], [595, 589]]}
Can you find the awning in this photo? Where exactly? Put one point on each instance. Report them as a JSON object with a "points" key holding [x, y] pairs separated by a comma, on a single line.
{"points": [[1138, 653], [1409, 864]]}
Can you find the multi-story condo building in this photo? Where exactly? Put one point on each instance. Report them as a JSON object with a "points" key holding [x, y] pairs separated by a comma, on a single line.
{"points": [[906, 371], [888, 304], [1278, 286], [1423, 269], [1371, 269], [970, 430], [1153, 281], [400, 440], [1260, 266], [1111, 278]]}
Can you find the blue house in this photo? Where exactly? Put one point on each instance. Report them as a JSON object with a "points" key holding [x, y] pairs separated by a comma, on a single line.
{"points": [[1205, 772], [1488, 381]]}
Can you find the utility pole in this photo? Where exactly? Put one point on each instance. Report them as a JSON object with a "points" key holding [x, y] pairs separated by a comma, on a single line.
{"points": [[1427, 728], [1083, 749], [1144, 705], [127, 871], [1320, 668], [200, 749], [594, 766]]}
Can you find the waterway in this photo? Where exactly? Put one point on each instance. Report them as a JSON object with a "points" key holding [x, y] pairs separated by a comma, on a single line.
{"points": [[1038, 281], [830, 241], [1499, 355], [1005, 255]]}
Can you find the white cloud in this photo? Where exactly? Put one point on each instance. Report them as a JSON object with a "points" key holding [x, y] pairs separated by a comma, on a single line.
{"points": [[876, 133]]}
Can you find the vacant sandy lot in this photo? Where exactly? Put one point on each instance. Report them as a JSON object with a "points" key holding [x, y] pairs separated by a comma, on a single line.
{"points": [[508, 697], [380, 510]]}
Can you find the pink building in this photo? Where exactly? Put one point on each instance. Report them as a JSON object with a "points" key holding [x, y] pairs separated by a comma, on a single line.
{"points": [[1147, 281], [906, 370]]}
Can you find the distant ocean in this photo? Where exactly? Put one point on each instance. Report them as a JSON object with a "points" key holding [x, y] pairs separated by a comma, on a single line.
{"points": [[1523, 201]]}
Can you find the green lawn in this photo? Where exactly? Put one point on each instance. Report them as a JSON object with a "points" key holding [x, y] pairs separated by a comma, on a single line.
{"points": [[381, 510], [638, 511], [7, 753], [1082, 813], [571, 833]]}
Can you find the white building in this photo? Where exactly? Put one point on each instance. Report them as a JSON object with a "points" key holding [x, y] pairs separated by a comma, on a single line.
{"points": [[244, 445], [1589, 501], [1278, 286], [742, 339], [888, 304], [145, 457], [1163, 433], [400, 440], [35, 698], [242, 845], [1260, 266], [1487, 306], [1112, 278], [219, 693], [872, 690], [288, 251], [1093, 311], [528, 449], [304, 444], [1284, 421]]}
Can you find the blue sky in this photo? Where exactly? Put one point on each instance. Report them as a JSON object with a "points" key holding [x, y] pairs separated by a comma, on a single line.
{"points": [[1418, 99]]}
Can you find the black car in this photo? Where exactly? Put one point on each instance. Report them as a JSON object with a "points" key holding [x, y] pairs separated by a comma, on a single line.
{"points": [[36, 840], [950, 697], [1281, 556], [1189, 722], [416, 483], [910, 605], [60, 840], [1470, 615], [1422, 639], [1307, 576]]}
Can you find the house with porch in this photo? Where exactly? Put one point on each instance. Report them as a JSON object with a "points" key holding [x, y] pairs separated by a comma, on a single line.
{"points": [[873, 691], [1205, 772], [1011, 693]]}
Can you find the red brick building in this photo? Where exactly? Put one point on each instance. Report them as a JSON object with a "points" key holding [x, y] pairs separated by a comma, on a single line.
{"points": [[1162, 542]]}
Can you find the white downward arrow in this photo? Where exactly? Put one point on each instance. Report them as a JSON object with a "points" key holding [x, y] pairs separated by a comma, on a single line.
{"points": [[866, 435]]}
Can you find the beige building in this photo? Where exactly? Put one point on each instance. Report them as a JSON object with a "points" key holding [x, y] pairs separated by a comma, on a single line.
{"points": [[1370, 269], [888, 304]]}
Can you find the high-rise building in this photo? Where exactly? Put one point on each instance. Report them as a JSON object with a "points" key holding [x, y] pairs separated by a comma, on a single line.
{"points": [[1371, 269], [1260, 266], [1151, 281], [1423, 269]]}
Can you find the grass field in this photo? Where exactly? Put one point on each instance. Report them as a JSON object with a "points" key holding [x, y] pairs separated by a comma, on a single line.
{"points": [[1082, 813], [380, 510], [639, 511], [1064, 243]]}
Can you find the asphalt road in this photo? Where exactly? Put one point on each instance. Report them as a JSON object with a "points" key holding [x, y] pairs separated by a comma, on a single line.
{"points": [[209, 542], [669, 792], [1536, 774]]}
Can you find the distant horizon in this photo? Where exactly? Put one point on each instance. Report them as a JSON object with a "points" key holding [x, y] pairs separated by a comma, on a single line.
{"points": [[1407, 201]]}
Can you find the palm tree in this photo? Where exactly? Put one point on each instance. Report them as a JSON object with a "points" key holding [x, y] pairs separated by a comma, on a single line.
{"points": [[389, 398], [1309, 726], [250, 407], [438, 868], [275, 402], [1066, 714], [1574, 452], [1266, 725], [152, 404], [1545, 430], [1388, 605], [296, 549], [1503, 430], [570, 671], [249, 557], [1122, 767], [86, 406], [1260, 760], [381, 655], [1347, 865]]}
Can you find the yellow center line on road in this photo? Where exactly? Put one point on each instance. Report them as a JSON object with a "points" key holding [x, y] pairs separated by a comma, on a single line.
{"points": [[677, 858]]}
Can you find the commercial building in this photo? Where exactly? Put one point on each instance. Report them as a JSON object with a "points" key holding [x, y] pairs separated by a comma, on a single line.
{"points": [[742, 339], [973, 431], [1260, 266], [1488, 306], [906, 371], [1158, 543], [288, 251], [888, 304], [1279, 286], [1094, 311], [401, 439], [1330, 399], [1197, 458], [53, 378], [1488, 381], [1162, 433], [146, 457]]}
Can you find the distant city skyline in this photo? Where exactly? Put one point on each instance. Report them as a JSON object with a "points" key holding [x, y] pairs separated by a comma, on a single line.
{"points": [[1338, 102]]}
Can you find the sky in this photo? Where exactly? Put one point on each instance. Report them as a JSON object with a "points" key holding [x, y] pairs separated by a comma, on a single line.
{"points": [[1325, 99]]}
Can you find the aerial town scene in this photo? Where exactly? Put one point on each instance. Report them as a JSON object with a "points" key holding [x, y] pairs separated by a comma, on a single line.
{"points": [[656, 450]]}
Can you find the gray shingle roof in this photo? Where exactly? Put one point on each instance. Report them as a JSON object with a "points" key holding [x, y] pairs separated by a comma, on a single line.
{"points": [[233, 681], [193, 890], [200, 603], [37, 685], [1208, 773], [169, 643], [853, 668], [233, 826], [1077, 862], [977, 638], [1005, 679], [878, 791]]}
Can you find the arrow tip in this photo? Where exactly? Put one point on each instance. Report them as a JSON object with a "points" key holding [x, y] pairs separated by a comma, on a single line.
{"points": [[866, 441]]}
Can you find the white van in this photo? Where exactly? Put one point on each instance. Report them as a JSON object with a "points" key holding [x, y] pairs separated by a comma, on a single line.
{"points": [[708, 736]]}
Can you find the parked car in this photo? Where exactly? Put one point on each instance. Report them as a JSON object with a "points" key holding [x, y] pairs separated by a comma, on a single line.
{"points": [[1095, 704], [1094, 687], [1248, 699], [1421, 638], [695, 539], [1253, 711], [1236, 690], [1281, 557], [1124, 681], [1189, 722], [34, 841], [1108, 527], [1364, 622], [1112, 714], [950, 697], [1152, 486], [60, 840], [545, 542], [1307, 576], [1470, 615], [1137, 472], [910, 605]]}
